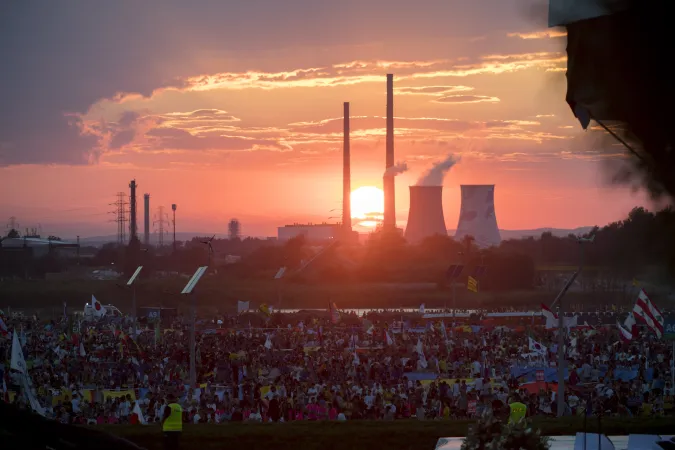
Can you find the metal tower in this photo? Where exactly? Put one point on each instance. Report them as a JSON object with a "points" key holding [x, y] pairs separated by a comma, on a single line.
{"points": [[160, 221], [121, 217]]}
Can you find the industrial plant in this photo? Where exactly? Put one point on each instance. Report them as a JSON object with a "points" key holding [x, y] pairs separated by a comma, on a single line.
{"points": [[477, 216]]}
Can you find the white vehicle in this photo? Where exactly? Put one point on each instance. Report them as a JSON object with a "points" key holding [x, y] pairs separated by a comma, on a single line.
{"points": [[110, 311]]}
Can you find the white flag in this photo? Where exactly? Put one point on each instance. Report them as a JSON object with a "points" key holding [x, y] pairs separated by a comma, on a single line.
{"points": [[242, 307], [390, 341], [268, 343], [139, 413], [422, 308], [97, 307], [82, 352], [17, 362], [626, 335], [536, 347], [356, 361]]}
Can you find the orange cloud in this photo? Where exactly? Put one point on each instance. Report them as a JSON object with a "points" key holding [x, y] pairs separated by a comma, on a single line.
{"points": [[356, 72], [546, 34], [462, 99]]}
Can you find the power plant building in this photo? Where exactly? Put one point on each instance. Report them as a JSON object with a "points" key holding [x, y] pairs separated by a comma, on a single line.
{"points": [[312, 232], [477, 217], [425, 217]]}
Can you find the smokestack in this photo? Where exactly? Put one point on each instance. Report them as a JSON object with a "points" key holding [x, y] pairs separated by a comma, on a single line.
{"points": [[133, 225], [346, 175], [388, 181], [146, 219], [477, 216], [425, 217]]}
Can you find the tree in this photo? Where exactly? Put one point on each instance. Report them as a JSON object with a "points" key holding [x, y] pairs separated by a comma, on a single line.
{"points": [[13, 234]]}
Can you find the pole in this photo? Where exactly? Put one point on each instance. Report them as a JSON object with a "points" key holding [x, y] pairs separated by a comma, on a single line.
{"points": [[193, 350], [561, 335], [133, 309], [174, 230]]}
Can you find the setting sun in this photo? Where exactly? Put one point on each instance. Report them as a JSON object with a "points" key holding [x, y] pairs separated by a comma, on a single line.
{"points": [[367, 205]]}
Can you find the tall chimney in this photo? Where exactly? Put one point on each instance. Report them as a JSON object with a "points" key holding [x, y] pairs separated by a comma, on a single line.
{"points": [[346, 175], [388, 181], [146, 222], [133, 225]]}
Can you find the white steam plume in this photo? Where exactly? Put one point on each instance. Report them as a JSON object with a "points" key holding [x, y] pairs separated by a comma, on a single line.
{"points": [[435, 175], [396, 169]]}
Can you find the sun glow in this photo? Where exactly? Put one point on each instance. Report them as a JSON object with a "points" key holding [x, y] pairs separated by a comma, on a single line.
{"points": [[367, 206]]}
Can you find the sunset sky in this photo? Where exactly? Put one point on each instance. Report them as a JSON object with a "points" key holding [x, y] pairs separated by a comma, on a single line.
{"points": [[233, 109]]}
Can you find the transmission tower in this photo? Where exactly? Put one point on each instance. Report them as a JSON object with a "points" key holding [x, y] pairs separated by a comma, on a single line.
{"points": [[121, 217], [162, 218]]}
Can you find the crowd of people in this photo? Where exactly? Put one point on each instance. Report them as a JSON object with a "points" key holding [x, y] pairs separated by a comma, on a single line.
{"points": [[300, 367]]}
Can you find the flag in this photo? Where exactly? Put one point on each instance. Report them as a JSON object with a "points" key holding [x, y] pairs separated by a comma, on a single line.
{"points": [[630, 324], [444, 332], [97, 307], [635, 282], [65, 312], [536, 347], [139, 413], [82, 352], [268, 343], [419, 349], [265, 309], [390, 341], [356, 360], [550, 316], [17, 362], [334, 313], [472, 284], [242, 307], [3, 328], [626, 336], [422, 308], [649, 313]]}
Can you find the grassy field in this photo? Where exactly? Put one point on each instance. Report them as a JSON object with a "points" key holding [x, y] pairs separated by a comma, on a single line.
{"points": [[399, 435], [218, 294]]}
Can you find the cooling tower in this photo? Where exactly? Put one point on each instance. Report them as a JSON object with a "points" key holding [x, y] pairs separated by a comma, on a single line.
{"points": [[389, 221], [425, 217], [477, 216]]}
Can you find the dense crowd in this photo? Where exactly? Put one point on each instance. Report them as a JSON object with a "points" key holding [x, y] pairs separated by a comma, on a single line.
{"points": [[307, 368]]}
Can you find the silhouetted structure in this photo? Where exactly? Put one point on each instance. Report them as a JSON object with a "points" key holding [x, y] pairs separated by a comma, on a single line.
{"points": [[173, 209], [121, 217], [146, 219], [234, 229], [346, 175], [477, 216], [389, 179], [161, 219], [133, 224], [425, 218]]}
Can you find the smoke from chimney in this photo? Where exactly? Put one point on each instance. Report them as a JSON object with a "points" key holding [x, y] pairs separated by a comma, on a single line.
{"points": [[396, 169], [435, 175]]}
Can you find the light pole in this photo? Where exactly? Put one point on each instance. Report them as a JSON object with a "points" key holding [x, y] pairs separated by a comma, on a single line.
{"points": [[131, 284], [188, 290], [561, 325]]}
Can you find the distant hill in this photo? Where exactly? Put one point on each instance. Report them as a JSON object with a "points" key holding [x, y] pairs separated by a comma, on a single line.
{"points": [[519, 234]]}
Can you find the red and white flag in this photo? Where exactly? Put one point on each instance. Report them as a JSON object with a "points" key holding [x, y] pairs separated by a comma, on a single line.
{"points": [[98, 308], [626, 336], [551, 318], [646, 311], [630, 323]]}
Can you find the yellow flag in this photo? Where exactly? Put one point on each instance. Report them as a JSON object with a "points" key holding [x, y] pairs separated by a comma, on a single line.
{"points": [[264, 309], [472, 284], [635, 282]]}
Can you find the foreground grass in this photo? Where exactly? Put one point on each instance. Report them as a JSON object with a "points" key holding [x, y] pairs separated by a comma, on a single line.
{"points": [[398, 435]]}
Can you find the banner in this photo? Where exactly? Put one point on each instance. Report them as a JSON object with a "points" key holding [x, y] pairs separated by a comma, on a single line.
{"points": [[118, 394]]}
